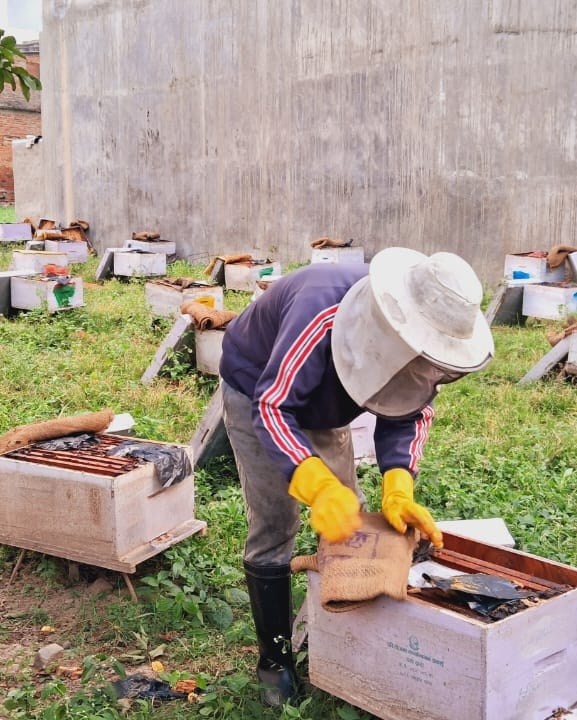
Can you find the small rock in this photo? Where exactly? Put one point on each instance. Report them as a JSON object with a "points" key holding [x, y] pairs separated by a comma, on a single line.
{"points": [[46, 654], [99, 586]]}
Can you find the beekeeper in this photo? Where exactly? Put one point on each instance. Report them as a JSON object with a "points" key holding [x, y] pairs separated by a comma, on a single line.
{"points": [[324, 344]]}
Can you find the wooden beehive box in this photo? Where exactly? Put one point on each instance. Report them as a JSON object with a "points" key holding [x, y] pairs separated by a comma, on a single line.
{"points": [[242, 275], [15, 232], [36, 259], [75, 250], [338, 255], [208, 349], [415, 660], [32, 293], [525, 268], [140, 264], [164, 299], [111, 522], [549, 301], [168, 247]]}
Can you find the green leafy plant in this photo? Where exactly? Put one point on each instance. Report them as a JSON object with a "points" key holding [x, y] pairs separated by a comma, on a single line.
{"points": [[11, 72]]}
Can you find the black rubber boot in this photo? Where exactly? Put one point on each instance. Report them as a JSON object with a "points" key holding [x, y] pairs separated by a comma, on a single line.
{"points": [[269, 588]]}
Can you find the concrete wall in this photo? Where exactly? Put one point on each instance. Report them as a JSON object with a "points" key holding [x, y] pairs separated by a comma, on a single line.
{"points": [[28, 164], [229, 125]]}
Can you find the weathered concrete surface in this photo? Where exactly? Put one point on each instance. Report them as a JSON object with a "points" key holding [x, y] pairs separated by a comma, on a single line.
{"points": [[28, 167], [229, 125]]}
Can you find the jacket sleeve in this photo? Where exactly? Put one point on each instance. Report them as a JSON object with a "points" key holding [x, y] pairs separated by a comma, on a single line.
{"points": [[295, 368], [400, 443]]}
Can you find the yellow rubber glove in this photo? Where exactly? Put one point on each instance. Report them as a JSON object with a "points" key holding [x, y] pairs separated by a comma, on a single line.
{"points": [[401, 510], [335, 509]]}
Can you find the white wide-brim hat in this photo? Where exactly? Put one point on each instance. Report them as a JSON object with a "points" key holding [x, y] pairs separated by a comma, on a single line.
{"points": [[409, 305]]}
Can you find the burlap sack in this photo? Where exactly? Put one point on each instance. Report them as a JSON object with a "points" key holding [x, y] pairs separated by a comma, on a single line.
{"points": [[24, 435], [145, 236], [558, 254], [329, 242], [226, 259], [555, 337], [74, 233], [182, 283], [205, 317], [375, 561]]}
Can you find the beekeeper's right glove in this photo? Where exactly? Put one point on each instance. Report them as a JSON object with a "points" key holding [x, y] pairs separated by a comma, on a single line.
{"points": [[400, 509], [335, 509]]}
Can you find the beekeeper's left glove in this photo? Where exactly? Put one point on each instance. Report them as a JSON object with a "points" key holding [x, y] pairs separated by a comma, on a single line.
{"points": [[400, 509]]}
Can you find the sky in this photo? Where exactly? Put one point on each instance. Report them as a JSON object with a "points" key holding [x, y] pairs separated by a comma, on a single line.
{"points": [[21, 18]]}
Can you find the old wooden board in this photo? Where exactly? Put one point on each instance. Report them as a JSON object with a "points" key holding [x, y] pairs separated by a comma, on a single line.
{"points": [[506, 306], [106, 264], [556, 355], [180, 337], [210, 439], [571, 364]]}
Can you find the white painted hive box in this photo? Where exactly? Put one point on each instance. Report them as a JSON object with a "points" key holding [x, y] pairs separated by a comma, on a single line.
{"points": [[140, 264], [15, 232], [362, 432], [32, 293], [208, 349], [164, 300], [114, 522], [548, 301], [36, 259], [414, 660], [338, 255], [242, 275], [75, 250], [168, 247], [522, 268]]}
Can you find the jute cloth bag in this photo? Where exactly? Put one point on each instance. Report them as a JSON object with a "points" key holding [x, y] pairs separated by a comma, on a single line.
{"points": [[375, 561]]}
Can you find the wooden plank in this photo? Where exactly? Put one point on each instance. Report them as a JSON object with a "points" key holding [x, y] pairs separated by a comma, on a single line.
{"points": [[300, 630], [210, 439], [556, 355], [506, 306], [571, 364], [105, 266], [180, 337]]}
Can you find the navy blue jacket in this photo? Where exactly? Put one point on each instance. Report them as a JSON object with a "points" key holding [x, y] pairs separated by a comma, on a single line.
{"points": [[278, 353]]}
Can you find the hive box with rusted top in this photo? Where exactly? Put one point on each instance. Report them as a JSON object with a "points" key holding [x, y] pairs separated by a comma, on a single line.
{"points": [[86, 506], [164, 299], [76, 250], [422, 660]]}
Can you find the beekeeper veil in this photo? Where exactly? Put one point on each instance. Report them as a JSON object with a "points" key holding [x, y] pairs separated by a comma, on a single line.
{"points": [[412, 324]]}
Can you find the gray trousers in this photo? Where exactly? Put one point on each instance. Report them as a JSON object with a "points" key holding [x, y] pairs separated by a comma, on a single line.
{"points": [[273, 515]]}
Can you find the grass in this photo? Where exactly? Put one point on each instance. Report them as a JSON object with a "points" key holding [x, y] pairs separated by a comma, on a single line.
{"points": [[496, 449], [7, 214]]}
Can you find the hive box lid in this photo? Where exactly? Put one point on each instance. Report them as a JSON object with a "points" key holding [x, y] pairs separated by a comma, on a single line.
{"points": [[15, 232], [414, 660]]}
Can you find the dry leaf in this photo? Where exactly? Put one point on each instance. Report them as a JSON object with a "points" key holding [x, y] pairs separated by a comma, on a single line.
{"points": [[74, 673], [185, 686]]}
